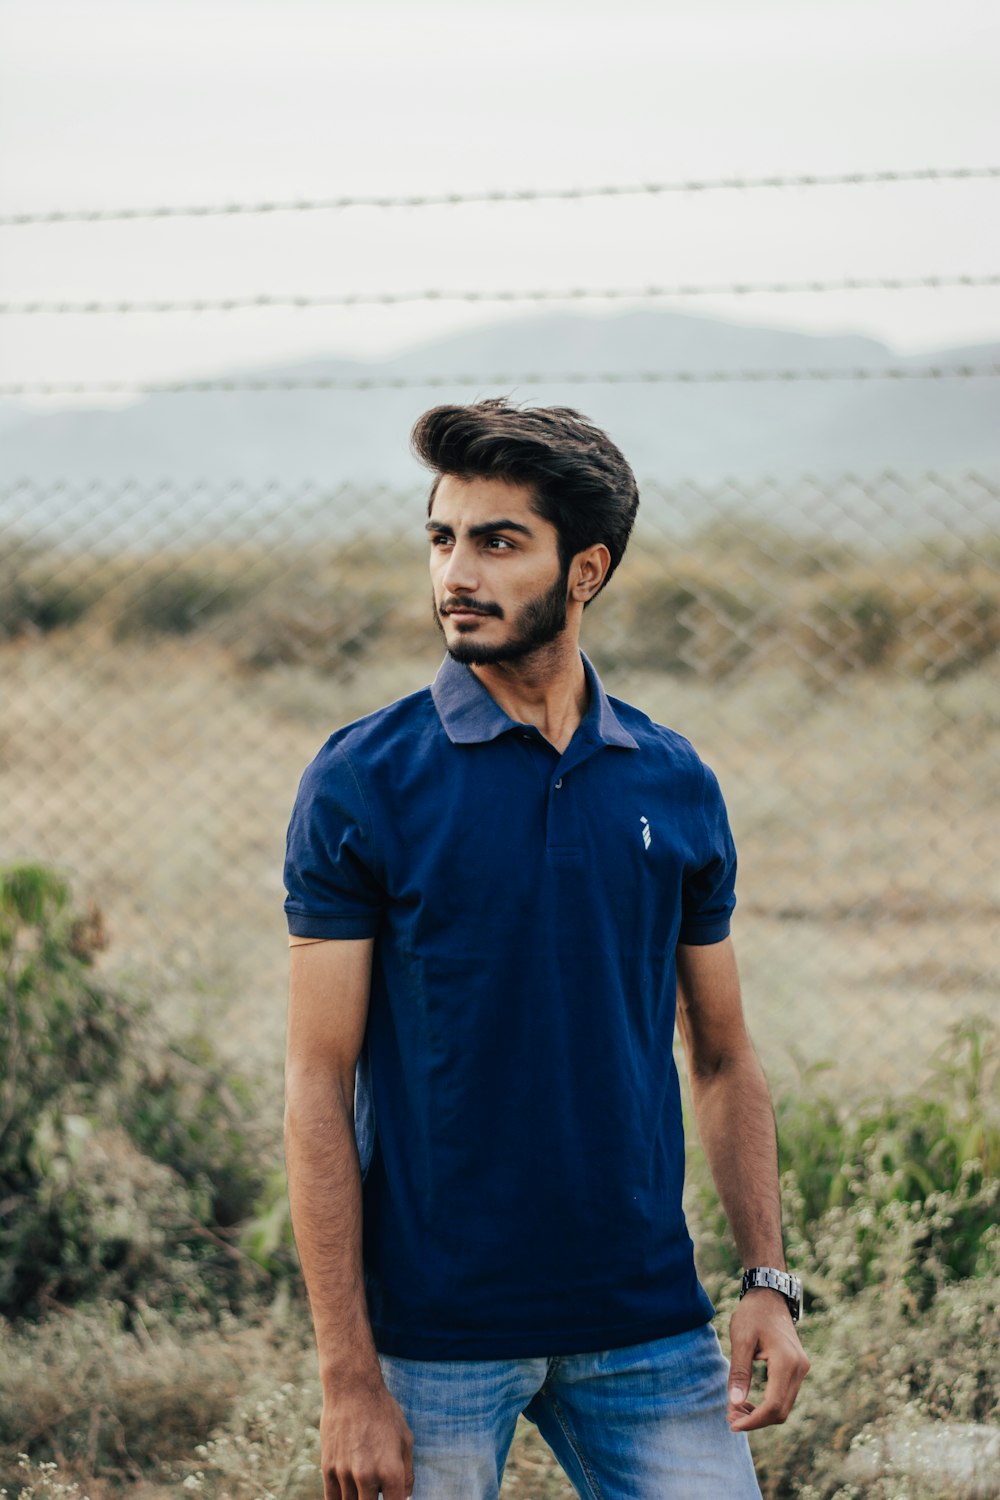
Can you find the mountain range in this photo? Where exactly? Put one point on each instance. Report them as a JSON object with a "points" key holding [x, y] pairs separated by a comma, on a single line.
{"points": [[669, 431]]}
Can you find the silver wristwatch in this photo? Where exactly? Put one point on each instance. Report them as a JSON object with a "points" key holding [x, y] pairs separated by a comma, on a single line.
{"points": [[784, 1282]]}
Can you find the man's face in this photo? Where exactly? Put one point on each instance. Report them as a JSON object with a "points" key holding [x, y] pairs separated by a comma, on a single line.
{"points": [[499, 586]]}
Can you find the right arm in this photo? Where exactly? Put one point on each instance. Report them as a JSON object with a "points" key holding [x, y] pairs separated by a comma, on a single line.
{"points": [[366, 1444]]}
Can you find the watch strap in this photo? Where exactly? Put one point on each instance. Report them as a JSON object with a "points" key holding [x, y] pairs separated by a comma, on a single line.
{"points": [[789, 1286]]}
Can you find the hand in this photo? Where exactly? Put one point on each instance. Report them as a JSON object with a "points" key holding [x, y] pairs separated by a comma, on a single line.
{"points": [[366, 1446], [762, 1328]]}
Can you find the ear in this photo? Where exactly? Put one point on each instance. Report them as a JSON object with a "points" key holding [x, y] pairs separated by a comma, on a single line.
{"points": [[588, 571]]}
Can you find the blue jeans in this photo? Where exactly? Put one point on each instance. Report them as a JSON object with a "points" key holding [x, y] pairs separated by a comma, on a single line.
{"points": [[642, 1423]]}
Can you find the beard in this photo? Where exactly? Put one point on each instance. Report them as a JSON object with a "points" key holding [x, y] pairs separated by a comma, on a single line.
{"points": [[538, 622]]}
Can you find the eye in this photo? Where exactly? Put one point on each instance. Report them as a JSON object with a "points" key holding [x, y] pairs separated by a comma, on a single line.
{"points": [[500, 544], [439, 539]]}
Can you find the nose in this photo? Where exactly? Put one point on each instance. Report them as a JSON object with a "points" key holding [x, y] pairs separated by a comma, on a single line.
{"points": [[460, 574]]}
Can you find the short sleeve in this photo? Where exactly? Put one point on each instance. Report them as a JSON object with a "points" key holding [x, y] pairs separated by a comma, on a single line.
{"points": [[331, 856], [709, 887]]}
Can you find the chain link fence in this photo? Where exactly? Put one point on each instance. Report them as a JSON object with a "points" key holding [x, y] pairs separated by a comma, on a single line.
{"points": [[172, 656]]}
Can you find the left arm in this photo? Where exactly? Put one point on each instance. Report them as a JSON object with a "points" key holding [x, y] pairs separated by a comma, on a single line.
{"points": [[735, 1120]]}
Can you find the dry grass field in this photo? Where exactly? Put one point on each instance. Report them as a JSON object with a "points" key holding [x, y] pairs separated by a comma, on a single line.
{"points": [[159, 778], [151, 738]]}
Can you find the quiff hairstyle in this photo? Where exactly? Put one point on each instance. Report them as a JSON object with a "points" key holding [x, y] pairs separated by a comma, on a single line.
{"points": [[582, 483]]}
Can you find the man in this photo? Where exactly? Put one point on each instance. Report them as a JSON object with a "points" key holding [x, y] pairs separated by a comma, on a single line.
{"points": [[501, 889]]}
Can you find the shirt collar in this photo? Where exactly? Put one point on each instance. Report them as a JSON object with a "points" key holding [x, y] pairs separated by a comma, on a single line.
{"points": [[470, 716]]}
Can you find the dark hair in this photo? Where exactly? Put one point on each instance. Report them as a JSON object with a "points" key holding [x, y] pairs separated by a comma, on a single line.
{"points": [[581, 481]]}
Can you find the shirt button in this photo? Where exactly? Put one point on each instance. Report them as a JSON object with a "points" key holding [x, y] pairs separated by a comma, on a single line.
{"points": [[558, 784]]}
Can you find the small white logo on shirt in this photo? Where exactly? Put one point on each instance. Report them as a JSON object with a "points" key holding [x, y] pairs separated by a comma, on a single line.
{"points": [[647, 835]]}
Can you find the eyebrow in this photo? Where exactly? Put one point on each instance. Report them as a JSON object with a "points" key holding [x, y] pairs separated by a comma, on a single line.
{"points": [[485, 529]]}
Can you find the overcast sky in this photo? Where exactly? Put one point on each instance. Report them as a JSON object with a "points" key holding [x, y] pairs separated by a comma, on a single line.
{"points": [[108, 103]]}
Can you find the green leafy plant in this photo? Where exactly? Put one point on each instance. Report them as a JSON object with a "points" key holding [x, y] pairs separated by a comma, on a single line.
{"points": [[66, 1032], [859, 1181], [186, 1110], [126, 1161]]}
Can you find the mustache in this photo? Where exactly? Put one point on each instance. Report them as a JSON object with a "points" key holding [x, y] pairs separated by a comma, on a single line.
{"points": [[471, 606]]}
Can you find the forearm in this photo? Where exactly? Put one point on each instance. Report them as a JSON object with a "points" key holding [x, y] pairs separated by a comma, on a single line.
{"points": [[365, 1444], [733, 1111], [324, 1189], [735, 1121]]}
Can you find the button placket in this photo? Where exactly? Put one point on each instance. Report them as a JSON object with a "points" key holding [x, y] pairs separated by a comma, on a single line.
{"points": [[562, 834]]}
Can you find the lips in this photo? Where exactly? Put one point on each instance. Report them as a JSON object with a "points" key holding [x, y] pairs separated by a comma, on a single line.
{"points": [[471, 611]]}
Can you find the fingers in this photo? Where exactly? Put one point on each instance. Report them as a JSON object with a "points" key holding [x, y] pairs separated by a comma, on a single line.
{"points": [[744, 1347], [399, 1488], [761, 1329], [785, 1373], [391, 1480], [367, 1446], [391, 1485]]}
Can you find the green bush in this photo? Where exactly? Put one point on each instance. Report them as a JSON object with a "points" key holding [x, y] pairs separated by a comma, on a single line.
{"points": [[40, 592], [687, 625], [36, 606], [130, 1170], [330, 629], [890, 1214], [949, 629], [876, 1366], [850, 630], [190, 1113], [126, 1162], [860, 1184], [175, 601], [67, 1034], [909, 1160]]}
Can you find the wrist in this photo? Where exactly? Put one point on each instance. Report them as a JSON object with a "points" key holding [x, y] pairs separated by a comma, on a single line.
{"points": [[775, 1279], [343, 1376]]}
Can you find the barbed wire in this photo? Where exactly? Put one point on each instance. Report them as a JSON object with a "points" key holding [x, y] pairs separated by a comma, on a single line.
{"points": [[536, 378], [501, 195], [34, 307], [259, 492]]}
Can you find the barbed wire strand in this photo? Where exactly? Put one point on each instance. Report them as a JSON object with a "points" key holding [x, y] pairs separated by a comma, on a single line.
{"points": [[501, 195], [533, 378], [295, 300]]}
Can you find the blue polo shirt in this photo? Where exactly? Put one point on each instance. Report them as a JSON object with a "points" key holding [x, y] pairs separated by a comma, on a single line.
{"points": [[518, 1112]]}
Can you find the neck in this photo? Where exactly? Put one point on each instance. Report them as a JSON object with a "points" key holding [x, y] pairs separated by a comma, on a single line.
{"points": [[547, 689]]}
